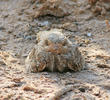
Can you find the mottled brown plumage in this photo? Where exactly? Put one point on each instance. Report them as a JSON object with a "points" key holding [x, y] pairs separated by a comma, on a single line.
{"points": [[54, 52]]}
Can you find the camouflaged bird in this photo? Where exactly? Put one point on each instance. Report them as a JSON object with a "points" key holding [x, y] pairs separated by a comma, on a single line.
{"points": [[54, 52]]}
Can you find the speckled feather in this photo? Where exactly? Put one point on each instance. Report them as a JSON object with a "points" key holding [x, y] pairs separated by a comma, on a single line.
{"points": [[54, 52]]}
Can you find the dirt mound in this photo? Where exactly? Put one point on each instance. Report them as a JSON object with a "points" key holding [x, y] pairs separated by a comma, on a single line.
{"points": [[57, 8], [100, 7]]}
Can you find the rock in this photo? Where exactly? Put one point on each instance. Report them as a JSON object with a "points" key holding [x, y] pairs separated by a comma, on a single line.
{"points": [[58, 8], [54, 52]]}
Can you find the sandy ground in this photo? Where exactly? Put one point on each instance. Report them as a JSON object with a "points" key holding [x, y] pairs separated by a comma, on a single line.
{"points": [[18, 36]]}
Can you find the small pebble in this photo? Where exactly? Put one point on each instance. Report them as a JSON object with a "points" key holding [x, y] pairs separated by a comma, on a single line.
{"points": [[89, 34], [45, 73], [13, 61], [30, 37], [1, 62], [44, 23], [68, 74], [82, 89]]}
